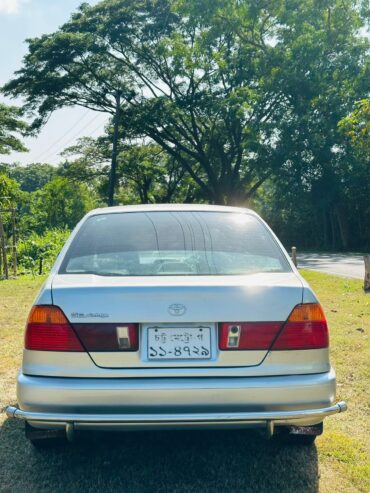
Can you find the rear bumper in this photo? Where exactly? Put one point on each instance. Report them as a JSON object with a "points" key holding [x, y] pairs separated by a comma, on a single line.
{"points": [[166, 420], [300, 400]]}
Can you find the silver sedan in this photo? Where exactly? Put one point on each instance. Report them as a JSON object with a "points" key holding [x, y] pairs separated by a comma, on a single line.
{"points": [[175, 316]]}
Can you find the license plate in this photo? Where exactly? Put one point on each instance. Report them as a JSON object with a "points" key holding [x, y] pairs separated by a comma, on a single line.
{"points": [[178, 343]]}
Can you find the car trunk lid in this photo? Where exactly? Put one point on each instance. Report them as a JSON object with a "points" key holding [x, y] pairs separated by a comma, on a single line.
{"points": [[171, 302]]}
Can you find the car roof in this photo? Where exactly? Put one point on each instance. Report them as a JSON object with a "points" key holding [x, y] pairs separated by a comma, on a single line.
{"points": [[168, 207]]}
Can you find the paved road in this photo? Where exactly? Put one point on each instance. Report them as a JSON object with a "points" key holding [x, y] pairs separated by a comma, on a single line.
{"points": [[346, 265]]}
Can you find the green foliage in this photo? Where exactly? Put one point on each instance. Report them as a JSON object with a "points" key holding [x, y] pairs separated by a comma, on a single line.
{"points": [[234, 91], [10, 196], [356, 127], [90, 164], [11, 125], [330, 213], [45, 216], [145, 173], [153, 175], [37, 253], [31, 177], [59, 204], [9, 191]]}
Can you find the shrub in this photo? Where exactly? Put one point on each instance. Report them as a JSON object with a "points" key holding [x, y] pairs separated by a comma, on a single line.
{"points": [[37, 253]]}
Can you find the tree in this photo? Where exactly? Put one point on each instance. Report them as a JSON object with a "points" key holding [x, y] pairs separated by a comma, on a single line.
{"points": [[11, 125], [9, 192], [59, 204], [145, 173], [318, 198], [31, 177], [221, 86], [154, 175], [37, 253], [87, 162]]}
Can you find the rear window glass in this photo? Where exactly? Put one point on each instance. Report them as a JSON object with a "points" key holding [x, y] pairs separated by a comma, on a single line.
{"points": [[173, 243]]}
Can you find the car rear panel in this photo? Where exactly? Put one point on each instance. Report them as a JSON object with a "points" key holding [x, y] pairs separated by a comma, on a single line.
{"points": [[208, 300]]}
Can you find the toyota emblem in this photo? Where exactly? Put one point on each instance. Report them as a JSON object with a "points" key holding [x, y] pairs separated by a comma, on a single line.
{"points": [[176, 309]]}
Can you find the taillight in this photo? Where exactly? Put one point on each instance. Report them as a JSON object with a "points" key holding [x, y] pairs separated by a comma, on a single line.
{"points": [[108, 337], [306, 328], [247, 335], [49, 330]]}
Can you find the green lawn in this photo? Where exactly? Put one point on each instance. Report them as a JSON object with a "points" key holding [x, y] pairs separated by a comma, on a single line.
{"points": [[208, 461]]}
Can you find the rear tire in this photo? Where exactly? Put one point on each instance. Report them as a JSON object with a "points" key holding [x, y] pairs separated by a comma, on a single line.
{"points": [[299, 435], [302, 440], [44, 439]]}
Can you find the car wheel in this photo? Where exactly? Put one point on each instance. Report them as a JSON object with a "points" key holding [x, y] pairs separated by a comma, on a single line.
{"points": [[44, 439], [299, 435]]}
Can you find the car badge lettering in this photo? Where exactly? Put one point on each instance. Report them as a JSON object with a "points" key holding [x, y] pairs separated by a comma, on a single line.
{"points": [[89, 315]]}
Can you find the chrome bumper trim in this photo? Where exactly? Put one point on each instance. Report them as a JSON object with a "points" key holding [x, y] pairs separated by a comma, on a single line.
{"points": [[255, 417]]}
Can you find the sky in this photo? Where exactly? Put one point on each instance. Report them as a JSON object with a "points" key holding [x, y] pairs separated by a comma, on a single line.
{"points": [[22, 19]]}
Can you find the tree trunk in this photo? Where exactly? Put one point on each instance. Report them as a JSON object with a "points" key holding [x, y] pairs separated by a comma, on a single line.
{"points": [[325, 228], [332, 230], [343, 227], [112, 175], [3, 250], [14, 243]]}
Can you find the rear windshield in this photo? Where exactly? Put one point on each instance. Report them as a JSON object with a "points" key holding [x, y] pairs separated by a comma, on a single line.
{"points": [[173, 243]]}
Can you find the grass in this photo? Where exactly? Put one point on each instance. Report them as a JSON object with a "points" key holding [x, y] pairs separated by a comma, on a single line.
{"points": [[207, 461]]}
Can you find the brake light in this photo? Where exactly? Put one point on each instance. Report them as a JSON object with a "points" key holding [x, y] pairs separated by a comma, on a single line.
{"points": [[108, 337], [247, 335], [306, 328], [49, 330]]}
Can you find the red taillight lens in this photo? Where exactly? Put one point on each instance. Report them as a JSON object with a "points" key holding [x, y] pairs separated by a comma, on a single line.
{"points": [[49, 330], [306, 328], [247, 335], [108, 337]]}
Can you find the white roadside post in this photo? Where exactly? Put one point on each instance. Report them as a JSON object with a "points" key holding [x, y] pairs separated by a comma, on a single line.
{"points": [[294, 255]]}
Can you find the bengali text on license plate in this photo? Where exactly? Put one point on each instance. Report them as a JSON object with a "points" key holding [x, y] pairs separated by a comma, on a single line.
{"points": [[179, 343]]}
